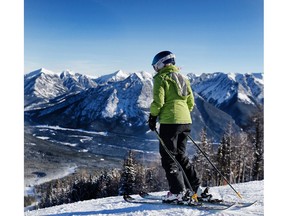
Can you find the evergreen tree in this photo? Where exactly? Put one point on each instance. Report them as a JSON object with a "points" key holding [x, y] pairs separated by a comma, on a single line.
{"points": [[224, 156], [258, 168], [241, 157], [205, 173], [128, 176], [140, 181]]}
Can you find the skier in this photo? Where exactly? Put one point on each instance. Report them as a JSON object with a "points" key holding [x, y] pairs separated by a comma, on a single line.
{"points": [[172, 102]]}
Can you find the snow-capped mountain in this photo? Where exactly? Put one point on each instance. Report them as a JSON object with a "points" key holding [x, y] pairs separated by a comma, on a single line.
{"points": [[120, 102], [117, 106], [218, 88], [75, 81], [239, 95], [42, 85], [114, 77]]}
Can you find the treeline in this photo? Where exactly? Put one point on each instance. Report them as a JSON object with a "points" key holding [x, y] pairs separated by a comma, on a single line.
{"points": [[239, 157], [78, 187], [84, 185]]}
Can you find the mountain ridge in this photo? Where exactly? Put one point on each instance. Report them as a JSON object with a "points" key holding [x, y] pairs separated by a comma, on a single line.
{"points": [[120, 101]]}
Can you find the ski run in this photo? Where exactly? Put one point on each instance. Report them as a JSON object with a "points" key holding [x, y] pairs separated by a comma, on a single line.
{"points": [[117, 206]]}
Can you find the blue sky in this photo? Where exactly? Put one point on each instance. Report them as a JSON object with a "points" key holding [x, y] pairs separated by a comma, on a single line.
{"points": [[97, 37]]}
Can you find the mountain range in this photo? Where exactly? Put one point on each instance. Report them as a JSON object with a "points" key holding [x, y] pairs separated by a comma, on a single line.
{"points": [[120, 102]]}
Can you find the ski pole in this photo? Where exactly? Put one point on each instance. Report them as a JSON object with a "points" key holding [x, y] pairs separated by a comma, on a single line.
{"points": [[205, 155], [175, 160]]}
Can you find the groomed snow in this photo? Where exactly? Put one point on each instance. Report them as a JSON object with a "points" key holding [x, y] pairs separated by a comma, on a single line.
{"points": [[116, 206]]}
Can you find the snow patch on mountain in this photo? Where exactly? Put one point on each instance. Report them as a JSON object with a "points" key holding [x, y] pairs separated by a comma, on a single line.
{"points": [[114, 77], [232, 76], [243, 97], [38, 72], [111, 106], [67, 73], [129, 97]]}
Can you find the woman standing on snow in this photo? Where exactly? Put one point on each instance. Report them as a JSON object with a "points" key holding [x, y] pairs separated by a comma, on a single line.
{"points": [[173, 101]]}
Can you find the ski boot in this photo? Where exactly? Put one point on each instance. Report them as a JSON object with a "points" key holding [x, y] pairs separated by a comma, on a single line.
{"points": [[170, 197]]}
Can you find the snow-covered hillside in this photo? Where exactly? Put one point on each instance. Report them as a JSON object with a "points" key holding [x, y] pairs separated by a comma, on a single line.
{"points": [[251, 191]]}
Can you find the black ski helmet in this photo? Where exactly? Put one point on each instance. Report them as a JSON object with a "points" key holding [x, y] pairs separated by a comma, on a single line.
{"points": [[163, 58]]}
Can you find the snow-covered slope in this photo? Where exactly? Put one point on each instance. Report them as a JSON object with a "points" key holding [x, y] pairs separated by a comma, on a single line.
{"points": [[251, 191]]}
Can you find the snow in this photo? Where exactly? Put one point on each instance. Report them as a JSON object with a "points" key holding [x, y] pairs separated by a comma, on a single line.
{"points": [[250, 191], [243, 97], [30, 190], [68, 143], [144, 75], [40, 180], [232, 76], [117, 76], [39, 71], [112, 104], [68, 72], [69, 129], [43, 138]]}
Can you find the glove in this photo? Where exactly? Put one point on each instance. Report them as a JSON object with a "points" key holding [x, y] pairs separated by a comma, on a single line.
{"points": [[152, 122]]}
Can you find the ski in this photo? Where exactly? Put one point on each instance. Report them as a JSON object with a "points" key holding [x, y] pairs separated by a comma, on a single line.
{"points": [[213, 201], [199, 206], [148, 196], [244, 204]]}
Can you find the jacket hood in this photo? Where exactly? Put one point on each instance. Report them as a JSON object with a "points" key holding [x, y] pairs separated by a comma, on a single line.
{"points": [[167, 69]]}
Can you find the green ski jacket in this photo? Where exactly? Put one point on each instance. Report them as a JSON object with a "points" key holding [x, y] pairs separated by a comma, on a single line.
{"points": [[172, 97]]}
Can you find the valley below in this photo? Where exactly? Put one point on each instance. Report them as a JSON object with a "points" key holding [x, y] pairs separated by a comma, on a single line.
{"points": [[52, 152]]}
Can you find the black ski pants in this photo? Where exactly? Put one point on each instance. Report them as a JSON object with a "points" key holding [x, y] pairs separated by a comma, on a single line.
{"points": [[174, 137]]}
